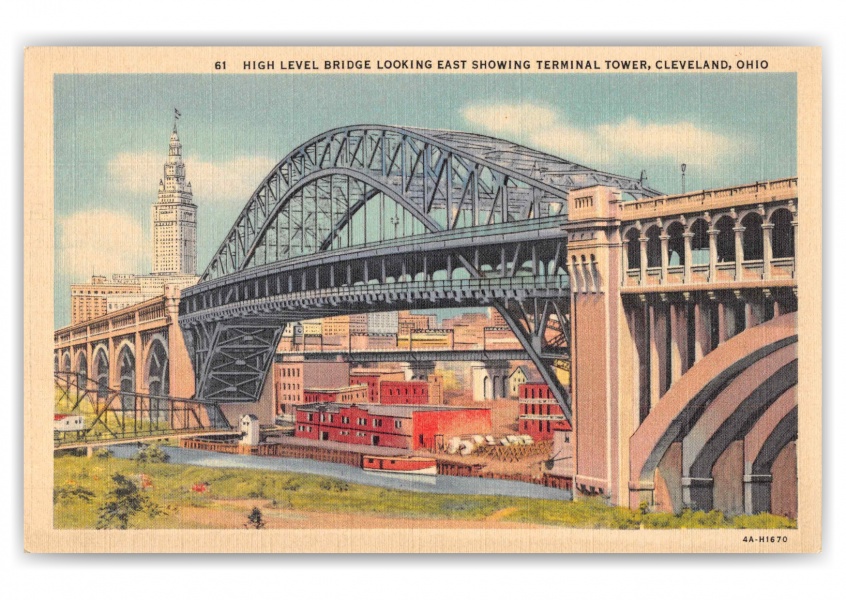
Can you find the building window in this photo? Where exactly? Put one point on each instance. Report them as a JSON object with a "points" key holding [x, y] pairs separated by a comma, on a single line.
{"points": [[398, 424], [377, 422]]}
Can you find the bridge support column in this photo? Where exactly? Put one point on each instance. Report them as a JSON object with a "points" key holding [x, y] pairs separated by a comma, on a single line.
{"points": [[421, 369], [114, 368], [490, 380], [756, 493], [702, 329], [605, 398], [678, 328], [738, 253], [712, 254], [767, 228], [722, 325], [658, 321], [698, 492], [89, 357], [688, 255], [140, 383]]}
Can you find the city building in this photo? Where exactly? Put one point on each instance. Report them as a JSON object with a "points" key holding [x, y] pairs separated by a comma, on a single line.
{"points": [[293, 375], [345, 325], [312, 327], [408, 322], [174, 217], [383, 323], [350, 394], [174, 251], [406, 427], [519, 376], [539, 412], [495, 318], [250, 430], [426, 339], [372, 378], [499, 338], [380, 341], [91, 300], [436, 388], [105, 295], [404, 392]]}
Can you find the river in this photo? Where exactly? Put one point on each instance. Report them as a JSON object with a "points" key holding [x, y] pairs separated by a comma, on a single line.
{"points": [[442, 484]]}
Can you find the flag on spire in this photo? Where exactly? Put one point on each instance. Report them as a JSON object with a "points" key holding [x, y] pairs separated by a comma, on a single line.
{"points": [[176, 113]]}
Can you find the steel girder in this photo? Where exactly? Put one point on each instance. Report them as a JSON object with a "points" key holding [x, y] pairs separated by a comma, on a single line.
{"points": [[444, 180], [125, 415], [304, 245], [232, 325], [232, 357]]}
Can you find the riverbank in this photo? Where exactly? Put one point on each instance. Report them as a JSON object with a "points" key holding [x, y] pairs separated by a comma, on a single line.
{"points": [[347, 454], [189, 496]]}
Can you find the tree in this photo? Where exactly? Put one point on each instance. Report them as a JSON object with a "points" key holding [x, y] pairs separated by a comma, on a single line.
{"points": [[67, 493], [255, 519], [151, 454], [123, 502]]}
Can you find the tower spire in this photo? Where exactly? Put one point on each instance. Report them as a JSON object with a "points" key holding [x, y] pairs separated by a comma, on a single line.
{"points": [[174, 214]]}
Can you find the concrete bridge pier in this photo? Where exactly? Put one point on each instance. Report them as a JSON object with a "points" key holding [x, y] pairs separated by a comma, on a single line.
{"points": [[421, 369], [698, 492], [490, 380], [756, 493]]}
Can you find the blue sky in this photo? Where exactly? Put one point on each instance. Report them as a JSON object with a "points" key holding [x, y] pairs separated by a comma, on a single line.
{"points": [[112, 131]]}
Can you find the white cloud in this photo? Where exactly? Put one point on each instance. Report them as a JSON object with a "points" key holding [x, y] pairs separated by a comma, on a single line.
{"points": [[212, 182], [100, 242], [545, 129]]}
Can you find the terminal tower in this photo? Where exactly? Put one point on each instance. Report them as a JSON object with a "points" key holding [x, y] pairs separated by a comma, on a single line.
{"points": [[174, 218]]}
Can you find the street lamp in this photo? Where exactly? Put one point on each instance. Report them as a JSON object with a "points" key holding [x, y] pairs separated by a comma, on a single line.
{"points": [[683, 168]]}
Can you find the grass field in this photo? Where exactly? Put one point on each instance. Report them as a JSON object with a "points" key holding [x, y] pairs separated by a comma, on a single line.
{"points": [[183, 496]]}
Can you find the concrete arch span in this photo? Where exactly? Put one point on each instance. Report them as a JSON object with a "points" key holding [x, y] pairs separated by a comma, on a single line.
{"points": [[765, 488], [735, 363], [736, 411]]}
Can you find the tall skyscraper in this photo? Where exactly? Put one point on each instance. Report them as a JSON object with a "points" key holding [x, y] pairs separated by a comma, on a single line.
{"points": [[174, 218]]}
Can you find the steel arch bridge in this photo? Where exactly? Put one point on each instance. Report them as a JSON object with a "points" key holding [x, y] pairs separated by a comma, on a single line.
{"points": [[369, 217]]}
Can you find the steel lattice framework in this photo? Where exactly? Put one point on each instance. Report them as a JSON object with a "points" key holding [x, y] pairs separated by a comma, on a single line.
{"points": [[115, 415], [443, 179], [369, 218]]}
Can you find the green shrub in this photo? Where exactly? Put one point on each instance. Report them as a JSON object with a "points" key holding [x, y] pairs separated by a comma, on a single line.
{"points": [[151, 454]]}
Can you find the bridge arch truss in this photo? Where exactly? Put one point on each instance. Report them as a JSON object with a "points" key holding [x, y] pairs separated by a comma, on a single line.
{"points": [[371, 218]]}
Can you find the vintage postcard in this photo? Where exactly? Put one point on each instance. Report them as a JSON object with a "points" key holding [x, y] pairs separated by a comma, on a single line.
{"points": [[423, 299]]}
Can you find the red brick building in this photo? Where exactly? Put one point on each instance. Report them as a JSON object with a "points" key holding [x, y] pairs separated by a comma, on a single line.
{"points": [[404, 392], [372, 379], [352, 394], [539, 414], [407, 427], [291, 377]]}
